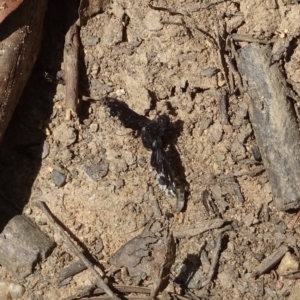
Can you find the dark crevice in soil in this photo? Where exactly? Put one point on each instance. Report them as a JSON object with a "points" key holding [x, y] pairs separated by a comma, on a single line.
{"points": [[186, 85], [195, 91], [125, 23], [291, 48]]}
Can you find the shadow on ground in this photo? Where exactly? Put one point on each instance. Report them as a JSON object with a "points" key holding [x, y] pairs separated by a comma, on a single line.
{"points": [[22, 146]]}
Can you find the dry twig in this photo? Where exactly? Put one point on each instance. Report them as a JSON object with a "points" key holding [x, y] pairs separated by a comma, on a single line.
{"points": [[99, 281], [236, 75], [270, 261], [71, 70], [222, 63], [214, 262], [248, 38], [292, 224], [71, 270]]}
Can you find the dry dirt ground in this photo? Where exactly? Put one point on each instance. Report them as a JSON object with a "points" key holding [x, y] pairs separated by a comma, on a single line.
{"points": [[95, 175]]}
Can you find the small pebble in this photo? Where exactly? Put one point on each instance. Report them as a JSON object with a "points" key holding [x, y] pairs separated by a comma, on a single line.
{"points": [[46, 149], [94, 127], [129, 157], [58, 178], [120, 92], [248, 219], [152, 21], [11, 291], [215, 133], [102, 150], [99, 245], [92, 41], [119, 183], [28, 211], [64, 134], [289, 264], [77, 226], [142, 161], [97, 171], [279, 285], [256, 153]]}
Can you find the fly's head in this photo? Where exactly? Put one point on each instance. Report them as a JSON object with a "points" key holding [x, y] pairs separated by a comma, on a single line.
{"points": [[163, 121]]}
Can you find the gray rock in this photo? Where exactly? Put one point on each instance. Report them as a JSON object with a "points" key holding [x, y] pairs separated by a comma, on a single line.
{"points": [[58, 178], [97, 171]]}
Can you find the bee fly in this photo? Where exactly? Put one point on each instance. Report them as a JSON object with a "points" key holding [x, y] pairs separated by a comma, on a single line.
{"points": [[153, 135]]}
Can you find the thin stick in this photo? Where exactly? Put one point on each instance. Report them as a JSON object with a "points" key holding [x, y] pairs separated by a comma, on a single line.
{"points": [[71, 70], [222, 62], [214, 262], [269, 262], [292, 224], [71, 270], [99, 281], [236, 74], [249, 38]]}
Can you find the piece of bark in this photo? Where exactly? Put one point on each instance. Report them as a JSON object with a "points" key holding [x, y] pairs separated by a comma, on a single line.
{"points": [[150, 254], [274, 123], [20, 38], [22, 245]]}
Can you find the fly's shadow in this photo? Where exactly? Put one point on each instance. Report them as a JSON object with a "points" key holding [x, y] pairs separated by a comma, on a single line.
{"points": [[156, 135]]}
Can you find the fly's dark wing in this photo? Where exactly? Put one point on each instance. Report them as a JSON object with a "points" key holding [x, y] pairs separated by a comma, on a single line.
{"points": [[127, 116], [160, 162]]}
